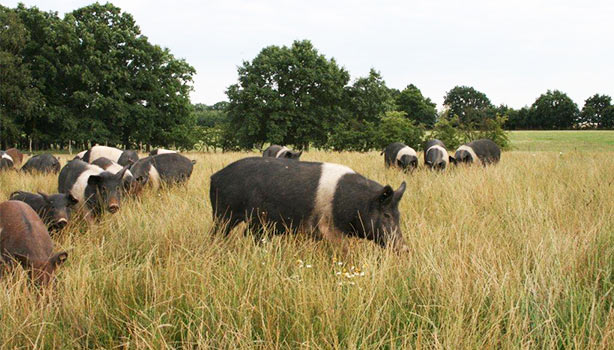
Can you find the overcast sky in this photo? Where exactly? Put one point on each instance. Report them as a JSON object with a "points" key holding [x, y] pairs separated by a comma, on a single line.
{"points": [[513, 51]]}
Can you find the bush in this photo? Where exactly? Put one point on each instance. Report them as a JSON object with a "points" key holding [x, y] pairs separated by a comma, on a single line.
{"points": [[453, 133], [446, 130], [353, 136], [394, 127]]}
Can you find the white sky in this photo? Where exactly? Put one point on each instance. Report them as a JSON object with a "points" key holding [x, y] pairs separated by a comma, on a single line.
{"points": [[513, 51]]}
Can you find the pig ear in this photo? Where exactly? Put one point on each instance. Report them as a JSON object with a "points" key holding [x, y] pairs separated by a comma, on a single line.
{"points": [[44, 195], [71, 199], [122, 172], [94, 180], [452, 160], [299, 154], [399, 192], [385, 195], [58, 259], [193, 162]]}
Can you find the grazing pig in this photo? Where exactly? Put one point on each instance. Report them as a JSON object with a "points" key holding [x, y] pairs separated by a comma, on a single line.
{"points": [[92, 186], [42, 163], [330, 200], [123, 158], [6, 161], [400, 155], [277, 151], [53, 209], [157, 151], [114, 168], [484, 150], [168, 168], [16, 155], [25, 239], [436, 155]]}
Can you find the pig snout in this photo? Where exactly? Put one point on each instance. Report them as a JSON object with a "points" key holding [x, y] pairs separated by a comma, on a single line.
{"points": [[60, 223], [114, 205]]}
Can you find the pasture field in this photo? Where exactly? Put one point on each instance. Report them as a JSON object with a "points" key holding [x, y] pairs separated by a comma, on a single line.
{"points": [[562, 140], [517, 255]]}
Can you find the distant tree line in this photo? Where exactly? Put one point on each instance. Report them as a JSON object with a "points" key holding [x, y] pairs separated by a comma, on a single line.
{"points": [[89, 77], [92, 77]]}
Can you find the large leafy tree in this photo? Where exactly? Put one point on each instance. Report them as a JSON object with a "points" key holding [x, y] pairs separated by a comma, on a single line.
{"points": [[286, 95], [468, 104], [19, 98], [368, 98], [553, 110], [595, 110], [416, 106]]}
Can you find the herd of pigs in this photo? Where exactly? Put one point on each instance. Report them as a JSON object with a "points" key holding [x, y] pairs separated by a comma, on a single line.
{"points": [[276, 193]]}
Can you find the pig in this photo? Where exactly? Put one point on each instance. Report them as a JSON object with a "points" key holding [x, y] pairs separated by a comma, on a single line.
{"points": [[168, 168], [157, 151], [277, 151], [80, 155], [483, 150], [436, 155], [92, 186], [25, 239], [6, 161], [16, 155], [123, 158], [114, 168], [42, 163], [400, 155], [328, 200], [53, 209]]}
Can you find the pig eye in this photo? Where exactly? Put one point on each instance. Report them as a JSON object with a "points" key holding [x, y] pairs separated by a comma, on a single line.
{"points": [[387, 216]]}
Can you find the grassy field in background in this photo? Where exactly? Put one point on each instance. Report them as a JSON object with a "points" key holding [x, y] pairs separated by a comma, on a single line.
{"points": [[563, 141], [517, 255]]}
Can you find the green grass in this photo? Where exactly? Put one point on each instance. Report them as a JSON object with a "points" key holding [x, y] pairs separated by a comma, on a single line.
{"points": [[518, 255], [563, 141]]}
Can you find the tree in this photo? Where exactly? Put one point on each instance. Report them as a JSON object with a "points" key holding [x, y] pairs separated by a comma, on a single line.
{"points": [[517, 119], [468, 104], [416, 107], [368, 98], [286, 95], [553, 110], [595, 110]]}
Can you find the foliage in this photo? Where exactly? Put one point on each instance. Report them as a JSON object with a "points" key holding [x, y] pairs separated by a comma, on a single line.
{"points": [[595, 113], [353, 136], [446, 131], [286, 95], [396, 127], [553, 110], [92, 77], [368, 98], [470, 105], [416, 107]]}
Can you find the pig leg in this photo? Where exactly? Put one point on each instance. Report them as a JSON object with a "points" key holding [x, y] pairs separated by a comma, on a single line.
{"points": [[333, 235]]}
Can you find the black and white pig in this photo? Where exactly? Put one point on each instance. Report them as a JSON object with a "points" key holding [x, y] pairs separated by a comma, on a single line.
{"points": [[157, 151], [436, 155], [108, 165], [167, 168], [484, 150], [123, 158], [53, 209], [42, 163], [6, 161], [91, 186], [327, 199], [400, 155], [277, 151], [25, 239]]}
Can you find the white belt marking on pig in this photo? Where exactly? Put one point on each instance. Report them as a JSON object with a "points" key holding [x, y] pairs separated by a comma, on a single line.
{"points": [[154, 176], [81, 154], [78, 188], [104, 151], [7, 156], [470, 150], [323, 208], [281, 151], [446, 157], [406, 151], [165, 151]]}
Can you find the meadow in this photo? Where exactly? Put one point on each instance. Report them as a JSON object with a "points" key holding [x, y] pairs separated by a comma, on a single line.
{"points": [[517, 255]]}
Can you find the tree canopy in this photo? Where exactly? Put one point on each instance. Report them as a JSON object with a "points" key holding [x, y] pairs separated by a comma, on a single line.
{"points": [[418, 108]]}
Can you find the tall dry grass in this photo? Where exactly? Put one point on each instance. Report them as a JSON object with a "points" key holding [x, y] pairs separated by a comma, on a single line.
{"points": [[518, 255]]}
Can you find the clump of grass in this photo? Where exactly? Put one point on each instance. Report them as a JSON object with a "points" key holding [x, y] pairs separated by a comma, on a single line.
{"points": [[518, 255]]}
